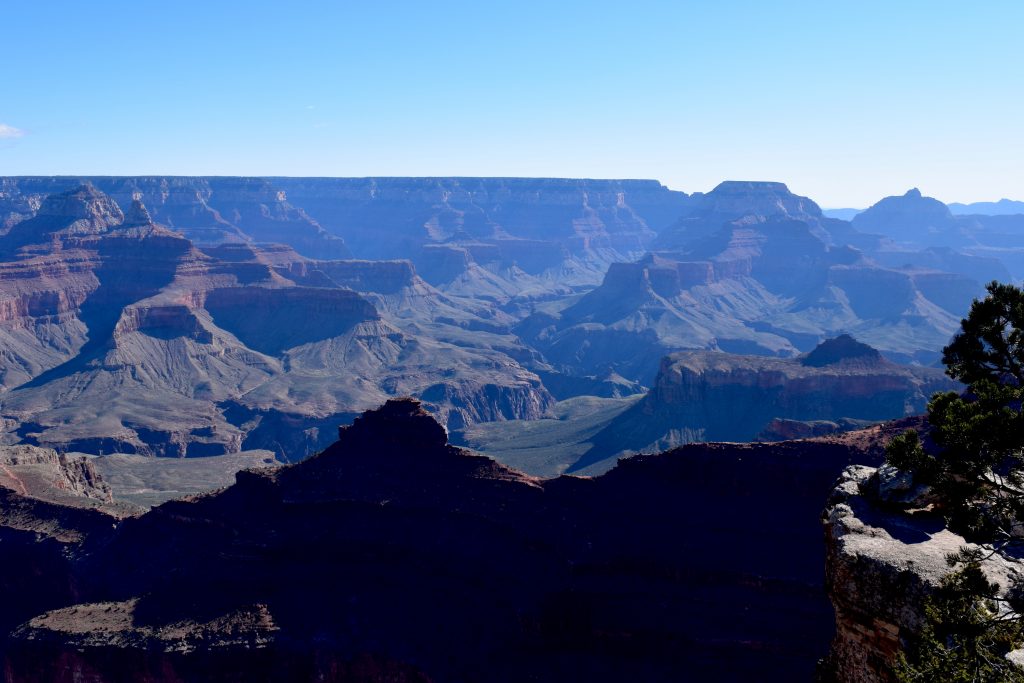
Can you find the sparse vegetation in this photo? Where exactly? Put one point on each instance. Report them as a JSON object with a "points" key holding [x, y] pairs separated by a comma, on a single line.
{"points": [[968, 630], [976, 473]]}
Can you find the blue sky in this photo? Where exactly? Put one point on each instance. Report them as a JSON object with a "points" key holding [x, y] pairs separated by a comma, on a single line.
{"points": [[844, 101]]}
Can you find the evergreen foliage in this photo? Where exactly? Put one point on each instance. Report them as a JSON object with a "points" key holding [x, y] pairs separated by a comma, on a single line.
{"points": [[976, 471], [967, 631]]}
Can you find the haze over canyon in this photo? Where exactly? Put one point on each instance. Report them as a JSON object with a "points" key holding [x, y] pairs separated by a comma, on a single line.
{"points": [[587, 427]]}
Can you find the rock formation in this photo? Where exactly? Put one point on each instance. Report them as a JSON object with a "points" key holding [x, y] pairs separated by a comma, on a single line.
{"points": [[757, 202], [518, 233], [121, 335], [710, 396], [496, 294], [979, 246], [884, 557], [912, 218], [753, 268], [392, 554]]}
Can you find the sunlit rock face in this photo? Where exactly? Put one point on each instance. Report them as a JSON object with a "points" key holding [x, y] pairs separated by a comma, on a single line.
{"points": [[711, 396], [120, 334], [752, 268], [171, 292], [533, 224]]}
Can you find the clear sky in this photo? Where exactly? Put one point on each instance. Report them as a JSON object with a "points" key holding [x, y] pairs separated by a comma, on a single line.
{"points": [[845, 101]]}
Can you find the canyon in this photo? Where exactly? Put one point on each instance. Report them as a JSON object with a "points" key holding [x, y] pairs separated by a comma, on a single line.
{"points": [[586, 426], [216, 315]]}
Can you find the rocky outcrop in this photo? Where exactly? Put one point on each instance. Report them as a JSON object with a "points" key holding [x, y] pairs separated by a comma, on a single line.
{"points": [[460, 403], [44, 474], [441, 264], [392, 550], [707, 396], [654, 307], [89, 210], [784, 429], [162, 321], [841, 349], [881, 562]]}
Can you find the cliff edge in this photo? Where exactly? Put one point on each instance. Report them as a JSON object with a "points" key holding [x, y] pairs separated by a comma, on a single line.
{"points": [[885, 554]]}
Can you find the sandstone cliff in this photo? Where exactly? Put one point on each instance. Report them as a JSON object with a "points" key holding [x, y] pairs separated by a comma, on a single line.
{"points": [[753, 268], [517, 236], [708, 396], [121, 335]]}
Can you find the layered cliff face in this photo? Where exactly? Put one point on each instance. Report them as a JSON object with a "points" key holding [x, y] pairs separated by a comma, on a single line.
{"points": [[882, 561], [393, 553], [760, 201], [43, 474], [81, 211], [526, 235], [654, 307], [751, 268], [301, 315], [581, 215], [708, 396], [207, 210], [120, 335]]}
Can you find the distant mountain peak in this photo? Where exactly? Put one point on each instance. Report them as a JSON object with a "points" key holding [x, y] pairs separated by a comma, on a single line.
{"points": [[839, 349], [911, 217], [1003, 207]]}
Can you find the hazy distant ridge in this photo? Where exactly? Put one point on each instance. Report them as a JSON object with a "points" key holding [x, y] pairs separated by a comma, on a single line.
{"points": [[1004, 207]]}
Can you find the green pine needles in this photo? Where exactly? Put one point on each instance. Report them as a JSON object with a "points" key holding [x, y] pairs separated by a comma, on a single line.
{"points": [[968, 629], [976, 476]]}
